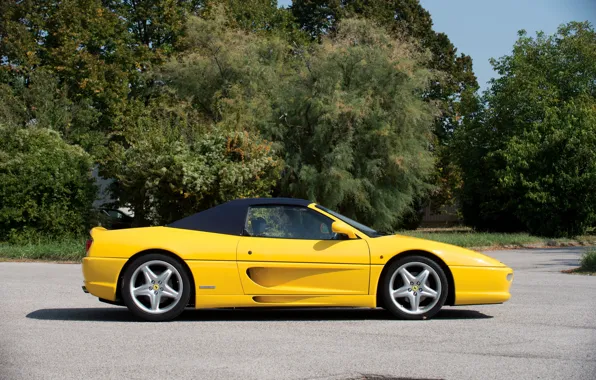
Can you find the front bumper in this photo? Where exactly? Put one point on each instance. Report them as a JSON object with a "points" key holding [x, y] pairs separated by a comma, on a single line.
{"points": [[481, 285], [100, 276]]}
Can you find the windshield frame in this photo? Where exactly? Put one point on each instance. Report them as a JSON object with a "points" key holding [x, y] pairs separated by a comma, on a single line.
{"points": [[352, 223]]}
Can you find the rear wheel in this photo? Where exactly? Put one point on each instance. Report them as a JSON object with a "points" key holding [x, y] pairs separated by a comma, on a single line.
{"points": [[156, 287], [414, 287]]}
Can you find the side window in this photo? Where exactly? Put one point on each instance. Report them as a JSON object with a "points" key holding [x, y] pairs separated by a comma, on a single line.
{"points": [[288, 222]]}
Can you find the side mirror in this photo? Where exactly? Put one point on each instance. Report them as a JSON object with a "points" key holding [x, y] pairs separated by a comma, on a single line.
{"points": [[343, 228]]}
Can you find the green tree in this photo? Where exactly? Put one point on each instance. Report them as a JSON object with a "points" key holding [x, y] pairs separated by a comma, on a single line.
{"points": [[155, 25], [356, 131], [223, 68], [43, 102], [453, 88], [85, 46], [262, 17], [530, 161], [402, 18], [45, 184]]}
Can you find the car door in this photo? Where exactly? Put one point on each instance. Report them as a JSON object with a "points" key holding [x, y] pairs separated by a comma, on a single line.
{"points": [[291, 250]]}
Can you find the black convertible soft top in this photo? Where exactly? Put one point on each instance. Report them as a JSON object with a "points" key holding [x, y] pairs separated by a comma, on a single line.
{"points": [[230, 217]]}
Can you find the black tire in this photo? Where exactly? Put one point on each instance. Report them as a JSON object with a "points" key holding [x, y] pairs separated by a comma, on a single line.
{"points": [[437, 283], [179, 281]]}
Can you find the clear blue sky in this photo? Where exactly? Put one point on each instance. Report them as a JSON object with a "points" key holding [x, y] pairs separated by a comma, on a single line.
{"points": [[488, 28]]}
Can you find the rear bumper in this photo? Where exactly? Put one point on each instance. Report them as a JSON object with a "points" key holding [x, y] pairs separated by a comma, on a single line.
{"points": [[481, 285], [100, 276]]}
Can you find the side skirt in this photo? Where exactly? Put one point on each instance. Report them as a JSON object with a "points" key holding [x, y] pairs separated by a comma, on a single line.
{"points": [[217, 301]]}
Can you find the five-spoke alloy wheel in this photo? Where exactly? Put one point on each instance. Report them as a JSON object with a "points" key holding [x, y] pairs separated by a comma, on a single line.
{"points": [[156, 287], [414, 287]]}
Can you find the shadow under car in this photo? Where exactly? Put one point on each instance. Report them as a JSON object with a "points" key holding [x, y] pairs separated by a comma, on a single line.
{"points": [[121, 314]]}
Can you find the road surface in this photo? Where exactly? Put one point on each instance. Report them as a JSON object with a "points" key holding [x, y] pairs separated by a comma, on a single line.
{"points": [[50, 329]]}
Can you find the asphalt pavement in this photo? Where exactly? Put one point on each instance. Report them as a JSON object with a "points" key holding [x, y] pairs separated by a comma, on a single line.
{"points": [[50, 329]]}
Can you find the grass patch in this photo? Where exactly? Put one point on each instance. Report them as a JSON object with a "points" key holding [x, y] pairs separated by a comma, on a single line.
{"points": [[587, 264], [588, 261], [471, 239], [68, 249]]}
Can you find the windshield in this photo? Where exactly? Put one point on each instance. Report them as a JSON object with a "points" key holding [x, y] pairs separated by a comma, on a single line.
{"points": [[361, 227]]}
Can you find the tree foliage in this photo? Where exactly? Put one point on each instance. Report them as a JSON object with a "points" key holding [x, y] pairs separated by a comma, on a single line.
{"points": [[155, 24], [356, 132], [78, 51], [168, 165], [45, 184], [226, 74], [261, 16], [453, 87], [43, 102], [530, 161], [199, 143], [346, 117]]}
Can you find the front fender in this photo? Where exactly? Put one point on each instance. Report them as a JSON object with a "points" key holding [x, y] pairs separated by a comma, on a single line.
{"points": [[383, 249]]}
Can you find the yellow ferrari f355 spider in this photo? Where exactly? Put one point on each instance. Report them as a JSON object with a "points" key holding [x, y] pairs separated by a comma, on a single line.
{"points": [[280, 252]]}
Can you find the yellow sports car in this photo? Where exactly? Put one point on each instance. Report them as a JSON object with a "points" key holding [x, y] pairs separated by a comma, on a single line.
{"points": [[272, 252]]}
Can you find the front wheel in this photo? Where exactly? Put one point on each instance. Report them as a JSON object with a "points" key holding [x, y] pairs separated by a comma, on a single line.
{"points": [[156, 287], [414, 287]]}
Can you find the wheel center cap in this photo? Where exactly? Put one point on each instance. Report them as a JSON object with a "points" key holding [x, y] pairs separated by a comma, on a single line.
{"points": [[415, 288], [155, 287]]}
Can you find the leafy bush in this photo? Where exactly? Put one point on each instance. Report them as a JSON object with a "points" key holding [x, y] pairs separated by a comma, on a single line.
{"points": [[588, 261], [45, 185], [529, 163], [168, 167]]}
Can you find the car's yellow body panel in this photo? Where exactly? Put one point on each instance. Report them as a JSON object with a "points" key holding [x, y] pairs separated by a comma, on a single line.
{"points": [[244, 271], [303, 267], [186, 244], [101, 276], [215, 278], [481, 285], [388, 246], [267, 278]]}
